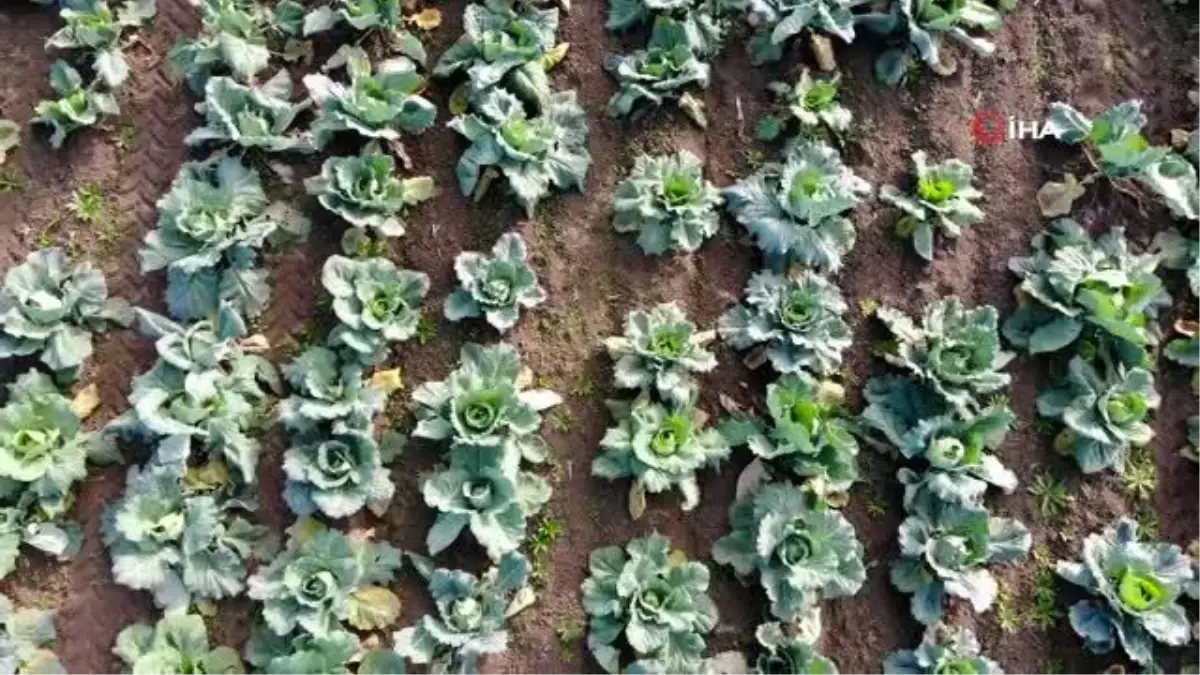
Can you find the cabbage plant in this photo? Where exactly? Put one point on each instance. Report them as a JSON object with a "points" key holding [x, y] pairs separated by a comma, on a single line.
{"points": [[960, 467], [376, 303], [472, 613], [333, 654], [956, 350], [660, 352], [1106, 414], [50, 308], [175, 644], [666, 200], [1096, 294], [384, 16], [336, 473], [924, 26], [496, 287], [76, 107], [27, 640], [532, 153], [204, 398], [807, 434], [503, 42], [943, 199], [327, 389], [364, 191], [667, 70], [93, 26], [701, 20], [810, 106], [183, 538], [796, 210], [486, 402], [648, 602], [661, 447], [324, 578], [778, 21], [232, 39], [212, 224], [943, 649], [249, 117], [787, 653], [380, 101], [477, 494], [798, 319], [945, 554], [1114, 142], [1136, 587], [801, 553]]}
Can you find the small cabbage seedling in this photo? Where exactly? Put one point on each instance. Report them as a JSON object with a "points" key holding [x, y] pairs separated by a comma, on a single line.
{"points": [[666, 71], [27, 639], [50, 309], [800, 553], [476, 493], [376, 304], [943, 649], [810, 106], [232, 39], [364, 191], [942, 200], [503, 42], [76, 107], [248, 117], [648, 602], [1136, 585], [807, 434], [496, 287], [797, 318], [796, 210], [666, 200], [336, 472], [778, 21], [532, 153], [946, 554], [956, 350], [486, 402], [924, 25], [661, 447], [380, 101], [1106, 413], [203, 399], [334, 654], [472, 614], [43, 454], [324, 578], [784, 652], [660, 352], [183, 538], [1096, 294], [702, 20], [92, 26], [212, 225], [177, 643]]}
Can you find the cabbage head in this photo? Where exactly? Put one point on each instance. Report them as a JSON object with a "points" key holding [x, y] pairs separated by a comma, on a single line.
{"points": [[661, 352], [376, 303], [495, 287], [336, 473]]}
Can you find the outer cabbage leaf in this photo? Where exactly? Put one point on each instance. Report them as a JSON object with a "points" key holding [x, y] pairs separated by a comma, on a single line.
{"points": [[778, 21], [924, 25], [232, 39]]}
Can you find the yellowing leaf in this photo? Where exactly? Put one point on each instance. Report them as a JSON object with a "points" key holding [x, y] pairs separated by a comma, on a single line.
{"points": [[426, 19], [373, 607], [676, 558], [637, 499], [207, 477], [1056, 199], [86, 401], [387, 381], [303, 530], [460, 99], [555, 56]]}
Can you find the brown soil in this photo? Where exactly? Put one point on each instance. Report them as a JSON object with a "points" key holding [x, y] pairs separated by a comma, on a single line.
{"points": [[1086, 51]]}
